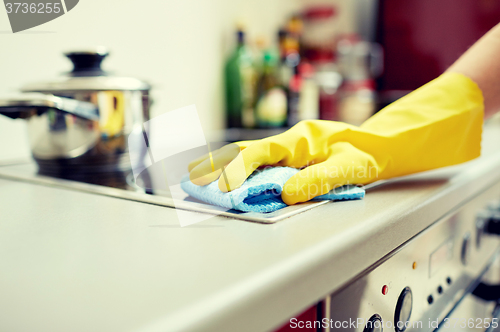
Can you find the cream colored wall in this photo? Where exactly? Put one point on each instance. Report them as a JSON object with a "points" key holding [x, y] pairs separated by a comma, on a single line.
{"points": [[179, 46]]}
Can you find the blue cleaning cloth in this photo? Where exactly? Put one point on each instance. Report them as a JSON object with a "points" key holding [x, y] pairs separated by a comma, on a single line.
{"points": [[261, 192]]}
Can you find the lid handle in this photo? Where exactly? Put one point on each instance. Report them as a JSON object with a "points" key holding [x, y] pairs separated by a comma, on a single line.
{"points": [[87, 62]]}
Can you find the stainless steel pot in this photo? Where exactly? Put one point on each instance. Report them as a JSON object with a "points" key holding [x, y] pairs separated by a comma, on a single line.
{"points": [[80, 122]]}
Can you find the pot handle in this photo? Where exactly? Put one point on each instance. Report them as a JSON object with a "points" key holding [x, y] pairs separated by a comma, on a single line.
{"points": [[27, 104]]}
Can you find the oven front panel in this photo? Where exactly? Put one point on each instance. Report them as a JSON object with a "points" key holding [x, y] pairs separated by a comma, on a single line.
{"points": [[425, 279]]}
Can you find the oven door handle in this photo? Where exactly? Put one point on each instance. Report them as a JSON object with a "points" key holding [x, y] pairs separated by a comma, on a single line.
{"points": [[490, 293], [487, 292]]}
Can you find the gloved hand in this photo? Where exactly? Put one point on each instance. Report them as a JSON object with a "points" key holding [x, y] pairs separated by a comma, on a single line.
{"points": [[437, 125]]}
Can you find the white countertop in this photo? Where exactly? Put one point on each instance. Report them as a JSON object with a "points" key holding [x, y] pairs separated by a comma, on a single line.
{"points": [[72, 261]]}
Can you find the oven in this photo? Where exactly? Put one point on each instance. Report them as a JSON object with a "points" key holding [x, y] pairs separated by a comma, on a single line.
{"points": [[443, 279]]}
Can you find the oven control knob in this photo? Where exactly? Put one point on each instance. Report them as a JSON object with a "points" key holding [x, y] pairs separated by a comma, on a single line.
{"points": [[403, 310], [481, 223], [466, 250], [492, 222], [374, 324]]}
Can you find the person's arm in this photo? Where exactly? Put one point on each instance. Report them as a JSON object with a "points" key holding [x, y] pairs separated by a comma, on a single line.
{"points": [[481, 63]]}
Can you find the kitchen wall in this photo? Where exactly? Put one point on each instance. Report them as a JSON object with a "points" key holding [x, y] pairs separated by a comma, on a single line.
{"points": [[179, 46]]}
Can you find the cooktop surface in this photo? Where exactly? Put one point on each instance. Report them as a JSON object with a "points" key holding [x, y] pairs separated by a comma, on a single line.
{"points": [[149, 187]]}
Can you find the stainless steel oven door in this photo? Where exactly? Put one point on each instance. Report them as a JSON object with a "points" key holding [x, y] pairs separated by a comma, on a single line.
{"points": [[472, 313], [427, 280]]}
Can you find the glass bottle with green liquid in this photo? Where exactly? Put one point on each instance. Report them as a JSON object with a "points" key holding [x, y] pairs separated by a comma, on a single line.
{"points": [[240, 79]]}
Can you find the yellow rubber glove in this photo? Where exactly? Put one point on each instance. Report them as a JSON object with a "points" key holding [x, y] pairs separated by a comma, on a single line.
{"points": [[437, 125]]}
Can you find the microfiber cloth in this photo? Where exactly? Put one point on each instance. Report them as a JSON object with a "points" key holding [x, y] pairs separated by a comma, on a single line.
{"points": [[261, 192]]}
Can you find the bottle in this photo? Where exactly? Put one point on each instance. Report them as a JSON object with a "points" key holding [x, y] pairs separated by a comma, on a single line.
{"points": [[285, 72], [293, 100], [308, 108], [329, 81], [360, 62], [288, 73], [357, 102], [240, 79], [288, 66], [295, 27], [271, 106]]}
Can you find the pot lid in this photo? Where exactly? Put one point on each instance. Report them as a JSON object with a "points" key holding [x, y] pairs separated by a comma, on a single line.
{"points": [[87, 75]]}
